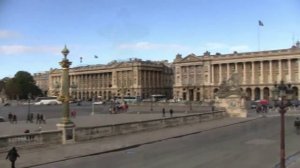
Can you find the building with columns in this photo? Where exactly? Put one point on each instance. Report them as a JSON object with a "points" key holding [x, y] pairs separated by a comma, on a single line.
{"points": [[41, 80], [197, 78], [130, 78]]}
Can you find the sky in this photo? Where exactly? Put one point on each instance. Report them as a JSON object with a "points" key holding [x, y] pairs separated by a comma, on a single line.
{"points": [[33, 32]]}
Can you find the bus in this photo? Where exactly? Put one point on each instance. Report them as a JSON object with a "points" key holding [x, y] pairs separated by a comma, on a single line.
{"points": [[46, 101], [128, 99], [158, 98]]}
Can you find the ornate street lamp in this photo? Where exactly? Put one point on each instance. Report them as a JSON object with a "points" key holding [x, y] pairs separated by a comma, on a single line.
{"points": [[282, 96], [28, 113], [66, 125]]}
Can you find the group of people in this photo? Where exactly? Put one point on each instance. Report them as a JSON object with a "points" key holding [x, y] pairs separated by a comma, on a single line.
{"points": [[40, 118], [12, 118], [164, 112]]}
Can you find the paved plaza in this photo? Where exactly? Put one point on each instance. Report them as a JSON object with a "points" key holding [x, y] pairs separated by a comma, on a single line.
{"points": [[54, 153]]}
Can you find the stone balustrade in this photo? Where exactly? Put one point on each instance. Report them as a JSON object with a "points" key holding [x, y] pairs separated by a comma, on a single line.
{"points": [[30, 140], [88, 133]]}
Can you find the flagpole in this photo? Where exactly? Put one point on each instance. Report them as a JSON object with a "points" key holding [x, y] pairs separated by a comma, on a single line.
{"points": [[258, 37]]}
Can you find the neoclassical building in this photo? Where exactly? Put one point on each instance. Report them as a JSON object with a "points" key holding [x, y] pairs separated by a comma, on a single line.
{"points": [[41, 80], [131, 78], [197, 78]]}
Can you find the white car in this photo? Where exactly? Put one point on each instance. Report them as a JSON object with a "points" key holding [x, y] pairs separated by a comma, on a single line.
{"points": [[48, 102], [98, 102]]}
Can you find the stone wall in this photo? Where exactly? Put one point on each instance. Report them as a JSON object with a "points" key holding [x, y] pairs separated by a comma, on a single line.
{"points": [[88, 133]]}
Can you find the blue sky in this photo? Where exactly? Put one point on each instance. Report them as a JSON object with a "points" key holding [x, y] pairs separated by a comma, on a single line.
{"points": [[33, 32]]}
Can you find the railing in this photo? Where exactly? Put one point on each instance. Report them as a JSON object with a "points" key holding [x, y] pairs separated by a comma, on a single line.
{"points": [[30, 139], [88, 133]]}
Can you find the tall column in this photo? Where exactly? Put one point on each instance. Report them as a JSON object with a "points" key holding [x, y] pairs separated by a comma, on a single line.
{"points": [[298, 71], [270, 72], [228, 71], [220, 73], [209, 74], [244, 73], [66, 125], [261, 72], [289, 70], [279, 70], [235, 67], [252, 72], [212, 74]]}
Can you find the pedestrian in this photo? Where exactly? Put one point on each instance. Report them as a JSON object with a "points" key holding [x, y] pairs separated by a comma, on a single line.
{"points": [[43, 119], [28, 118], [163, 112], [37, 118], [14, 119], [171, 112], [31, 117], [212, 108], [26, 132], [12, 155], [10, 116]]}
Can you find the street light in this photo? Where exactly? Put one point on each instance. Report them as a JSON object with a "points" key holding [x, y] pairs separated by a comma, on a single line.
{"points": [[66, 125], [282, 95], [28, 113]]}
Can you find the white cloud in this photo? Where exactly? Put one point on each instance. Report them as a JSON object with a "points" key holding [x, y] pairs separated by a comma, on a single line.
{"points": [[221, 47], [151, 46], [4, 34], [239, 48], [22, 49]]}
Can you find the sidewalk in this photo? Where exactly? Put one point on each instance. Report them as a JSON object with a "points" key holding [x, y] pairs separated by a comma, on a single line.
{"points": [[33, 157], [7, 128]]}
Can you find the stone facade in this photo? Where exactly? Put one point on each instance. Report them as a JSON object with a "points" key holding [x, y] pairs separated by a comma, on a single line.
{"points": [[197, 78], [41, 79], [131, 78]]}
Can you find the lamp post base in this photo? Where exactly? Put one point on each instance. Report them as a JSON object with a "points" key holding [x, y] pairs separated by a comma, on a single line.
{"points": [[68, 132]]}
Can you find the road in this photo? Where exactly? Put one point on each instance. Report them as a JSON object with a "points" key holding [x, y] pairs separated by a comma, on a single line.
{"points": [[247, 145], [55, 111]]}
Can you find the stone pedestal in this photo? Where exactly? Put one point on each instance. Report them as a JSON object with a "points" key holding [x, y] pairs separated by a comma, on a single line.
{"points": [[68, 132], [234, 105]]}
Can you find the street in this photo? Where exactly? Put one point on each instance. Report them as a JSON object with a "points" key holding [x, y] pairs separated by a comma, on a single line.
{"points": [[55, 111], [247, 145]]}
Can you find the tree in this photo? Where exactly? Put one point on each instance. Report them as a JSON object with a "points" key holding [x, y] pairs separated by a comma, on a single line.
{"points": [[21, 85]]}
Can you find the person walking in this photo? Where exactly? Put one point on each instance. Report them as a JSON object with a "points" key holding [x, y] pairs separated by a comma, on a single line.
{"points": [[43, 118], [14, 118], [171, 112], [163, 112], [10, 117], [12, 155], [31, 117], [37, 118]]}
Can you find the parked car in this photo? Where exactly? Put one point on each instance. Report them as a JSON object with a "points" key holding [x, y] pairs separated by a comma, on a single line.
{"points": [[48, 102], [99, 102], [6, 104], [2, 119]]}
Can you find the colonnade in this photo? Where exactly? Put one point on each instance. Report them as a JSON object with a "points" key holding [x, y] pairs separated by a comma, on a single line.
{"points": [[258, 72]]}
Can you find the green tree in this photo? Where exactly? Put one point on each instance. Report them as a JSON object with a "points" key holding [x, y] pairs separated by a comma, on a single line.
{"points": [[21, 85]]}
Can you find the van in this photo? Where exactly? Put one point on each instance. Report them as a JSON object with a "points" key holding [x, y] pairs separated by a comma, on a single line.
{"points": [[47, 102]]}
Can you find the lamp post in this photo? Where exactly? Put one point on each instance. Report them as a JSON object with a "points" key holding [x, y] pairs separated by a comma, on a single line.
{"points": [[66, 125], [29, 98], [282, 95]]}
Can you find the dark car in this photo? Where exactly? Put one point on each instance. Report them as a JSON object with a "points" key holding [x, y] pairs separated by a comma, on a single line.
{"points": [[6, 104], [2, 119]]}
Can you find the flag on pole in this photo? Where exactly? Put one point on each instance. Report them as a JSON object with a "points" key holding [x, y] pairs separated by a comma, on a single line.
{"points": [[95, 56], [260, 23]]}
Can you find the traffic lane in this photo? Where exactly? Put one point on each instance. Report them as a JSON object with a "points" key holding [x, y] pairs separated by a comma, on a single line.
{"points": [[248, 145], [51, 111]]}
